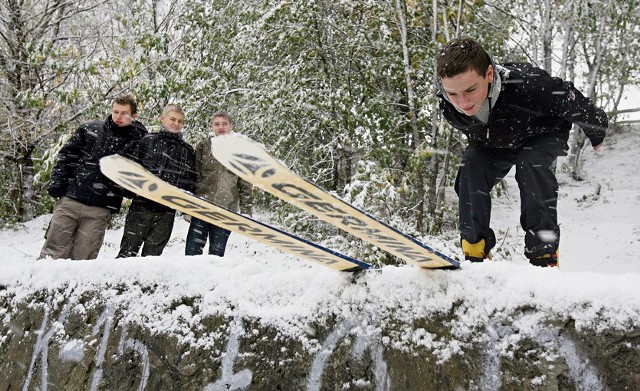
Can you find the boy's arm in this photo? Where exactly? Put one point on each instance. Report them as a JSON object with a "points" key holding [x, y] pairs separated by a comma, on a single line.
{"points": [[66, 163], [245, 191], [569, 103], [192, 176], [199, 156]]}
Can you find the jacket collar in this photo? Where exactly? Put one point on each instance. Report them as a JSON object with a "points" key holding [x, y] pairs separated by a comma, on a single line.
{"points": [[170, 135]]}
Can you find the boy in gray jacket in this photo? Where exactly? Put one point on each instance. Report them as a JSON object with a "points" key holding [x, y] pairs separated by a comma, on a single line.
{"points": [[220, 186]]}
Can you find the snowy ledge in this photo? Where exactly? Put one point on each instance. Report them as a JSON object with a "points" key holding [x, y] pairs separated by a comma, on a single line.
{"points": [[480, 320]]}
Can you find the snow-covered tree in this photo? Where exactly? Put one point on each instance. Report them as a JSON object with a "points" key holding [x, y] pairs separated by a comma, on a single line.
{"points": [[40, 65]]}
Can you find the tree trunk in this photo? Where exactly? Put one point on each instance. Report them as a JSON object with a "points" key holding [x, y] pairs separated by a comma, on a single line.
{"points": [[438, 219], [579, 139], [406, 59]]}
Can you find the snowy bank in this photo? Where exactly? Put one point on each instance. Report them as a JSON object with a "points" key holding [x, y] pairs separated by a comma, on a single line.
{"points": [[279, 321]]}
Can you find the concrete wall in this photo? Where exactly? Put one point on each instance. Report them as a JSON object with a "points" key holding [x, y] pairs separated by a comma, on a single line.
{"points": [[54, 341]]}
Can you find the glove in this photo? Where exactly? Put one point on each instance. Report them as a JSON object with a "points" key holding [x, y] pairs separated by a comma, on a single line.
{"points": [[186, 217]]}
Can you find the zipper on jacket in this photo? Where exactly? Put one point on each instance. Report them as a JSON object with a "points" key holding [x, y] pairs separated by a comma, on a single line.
{"points": [[488, 119]]}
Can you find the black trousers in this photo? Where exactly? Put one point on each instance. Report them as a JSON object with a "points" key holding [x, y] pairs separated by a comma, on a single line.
{"points": [[482, 168], [146, 226]]}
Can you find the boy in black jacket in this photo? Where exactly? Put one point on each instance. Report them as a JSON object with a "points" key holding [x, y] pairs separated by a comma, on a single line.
{"points": [[171, 159], [512, 114], [86, 197]]}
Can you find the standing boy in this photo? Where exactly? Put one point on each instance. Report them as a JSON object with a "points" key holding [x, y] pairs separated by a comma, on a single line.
{"points": [[86, 197], [220, 186], [171, 159], [512, 114]]}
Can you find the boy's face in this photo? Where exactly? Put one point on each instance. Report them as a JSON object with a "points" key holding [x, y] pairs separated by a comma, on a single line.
{"points": [[122, 115], [221, 125], [468, 90], [172, 121]]}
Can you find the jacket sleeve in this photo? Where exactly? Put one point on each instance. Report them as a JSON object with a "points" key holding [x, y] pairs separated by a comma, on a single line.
{"points": [[199, 154], [245, 192], [192, 176], [67, 163], [569, 103]]}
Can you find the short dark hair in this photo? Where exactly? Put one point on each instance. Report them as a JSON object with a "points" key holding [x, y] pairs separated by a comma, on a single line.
{"points": [[126, 98], [223, 115], [461, 54]]}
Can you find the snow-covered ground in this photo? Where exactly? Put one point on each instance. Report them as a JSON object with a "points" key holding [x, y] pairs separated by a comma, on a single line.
{"points": [[599, 277], [599, 217]]}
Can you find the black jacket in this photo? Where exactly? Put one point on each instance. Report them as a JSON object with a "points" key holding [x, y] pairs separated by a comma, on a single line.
{"points": [[77, 174], [169, 158], [530, 103]]}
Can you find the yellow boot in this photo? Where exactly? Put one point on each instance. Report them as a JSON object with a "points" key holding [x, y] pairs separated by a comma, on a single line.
{"points": [[474, 252], [547, 260]]}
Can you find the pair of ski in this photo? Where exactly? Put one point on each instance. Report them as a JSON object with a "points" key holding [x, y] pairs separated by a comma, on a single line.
{"points": [[251, 162]]}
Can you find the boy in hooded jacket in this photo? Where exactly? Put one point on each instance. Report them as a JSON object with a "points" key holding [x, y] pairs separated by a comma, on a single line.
{"points": [[513, 114], [87, 198], [169, 157]]}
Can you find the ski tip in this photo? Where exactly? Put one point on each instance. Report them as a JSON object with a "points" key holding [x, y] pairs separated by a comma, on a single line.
{"points": [[355, 269], [451, 267]]}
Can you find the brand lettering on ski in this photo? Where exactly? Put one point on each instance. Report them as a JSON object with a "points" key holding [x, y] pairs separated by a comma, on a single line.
{"points": [[135, 181], [204, 212], [395, 244], [334, 212], [294, 191], [302, 251], [329, 210]]}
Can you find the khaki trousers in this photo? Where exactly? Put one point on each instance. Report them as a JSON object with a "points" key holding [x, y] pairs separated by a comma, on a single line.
{"points": [[76, 230]]}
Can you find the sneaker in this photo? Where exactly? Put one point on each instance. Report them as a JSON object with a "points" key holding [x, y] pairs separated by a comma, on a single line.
{"points": [[546, 260], [475, 252]]}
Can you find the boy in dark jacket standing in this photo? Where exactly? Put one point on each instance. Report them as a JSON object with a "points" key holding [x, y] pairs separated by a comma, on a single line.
{"points": [[86, 197], [512, 114], [171, 159]]}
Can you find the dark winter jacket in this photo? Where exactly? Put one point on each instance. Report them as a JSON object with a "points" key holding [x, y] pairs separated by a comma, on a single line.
{"points": [[171, 159], [530, 103], [77, 174]]}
